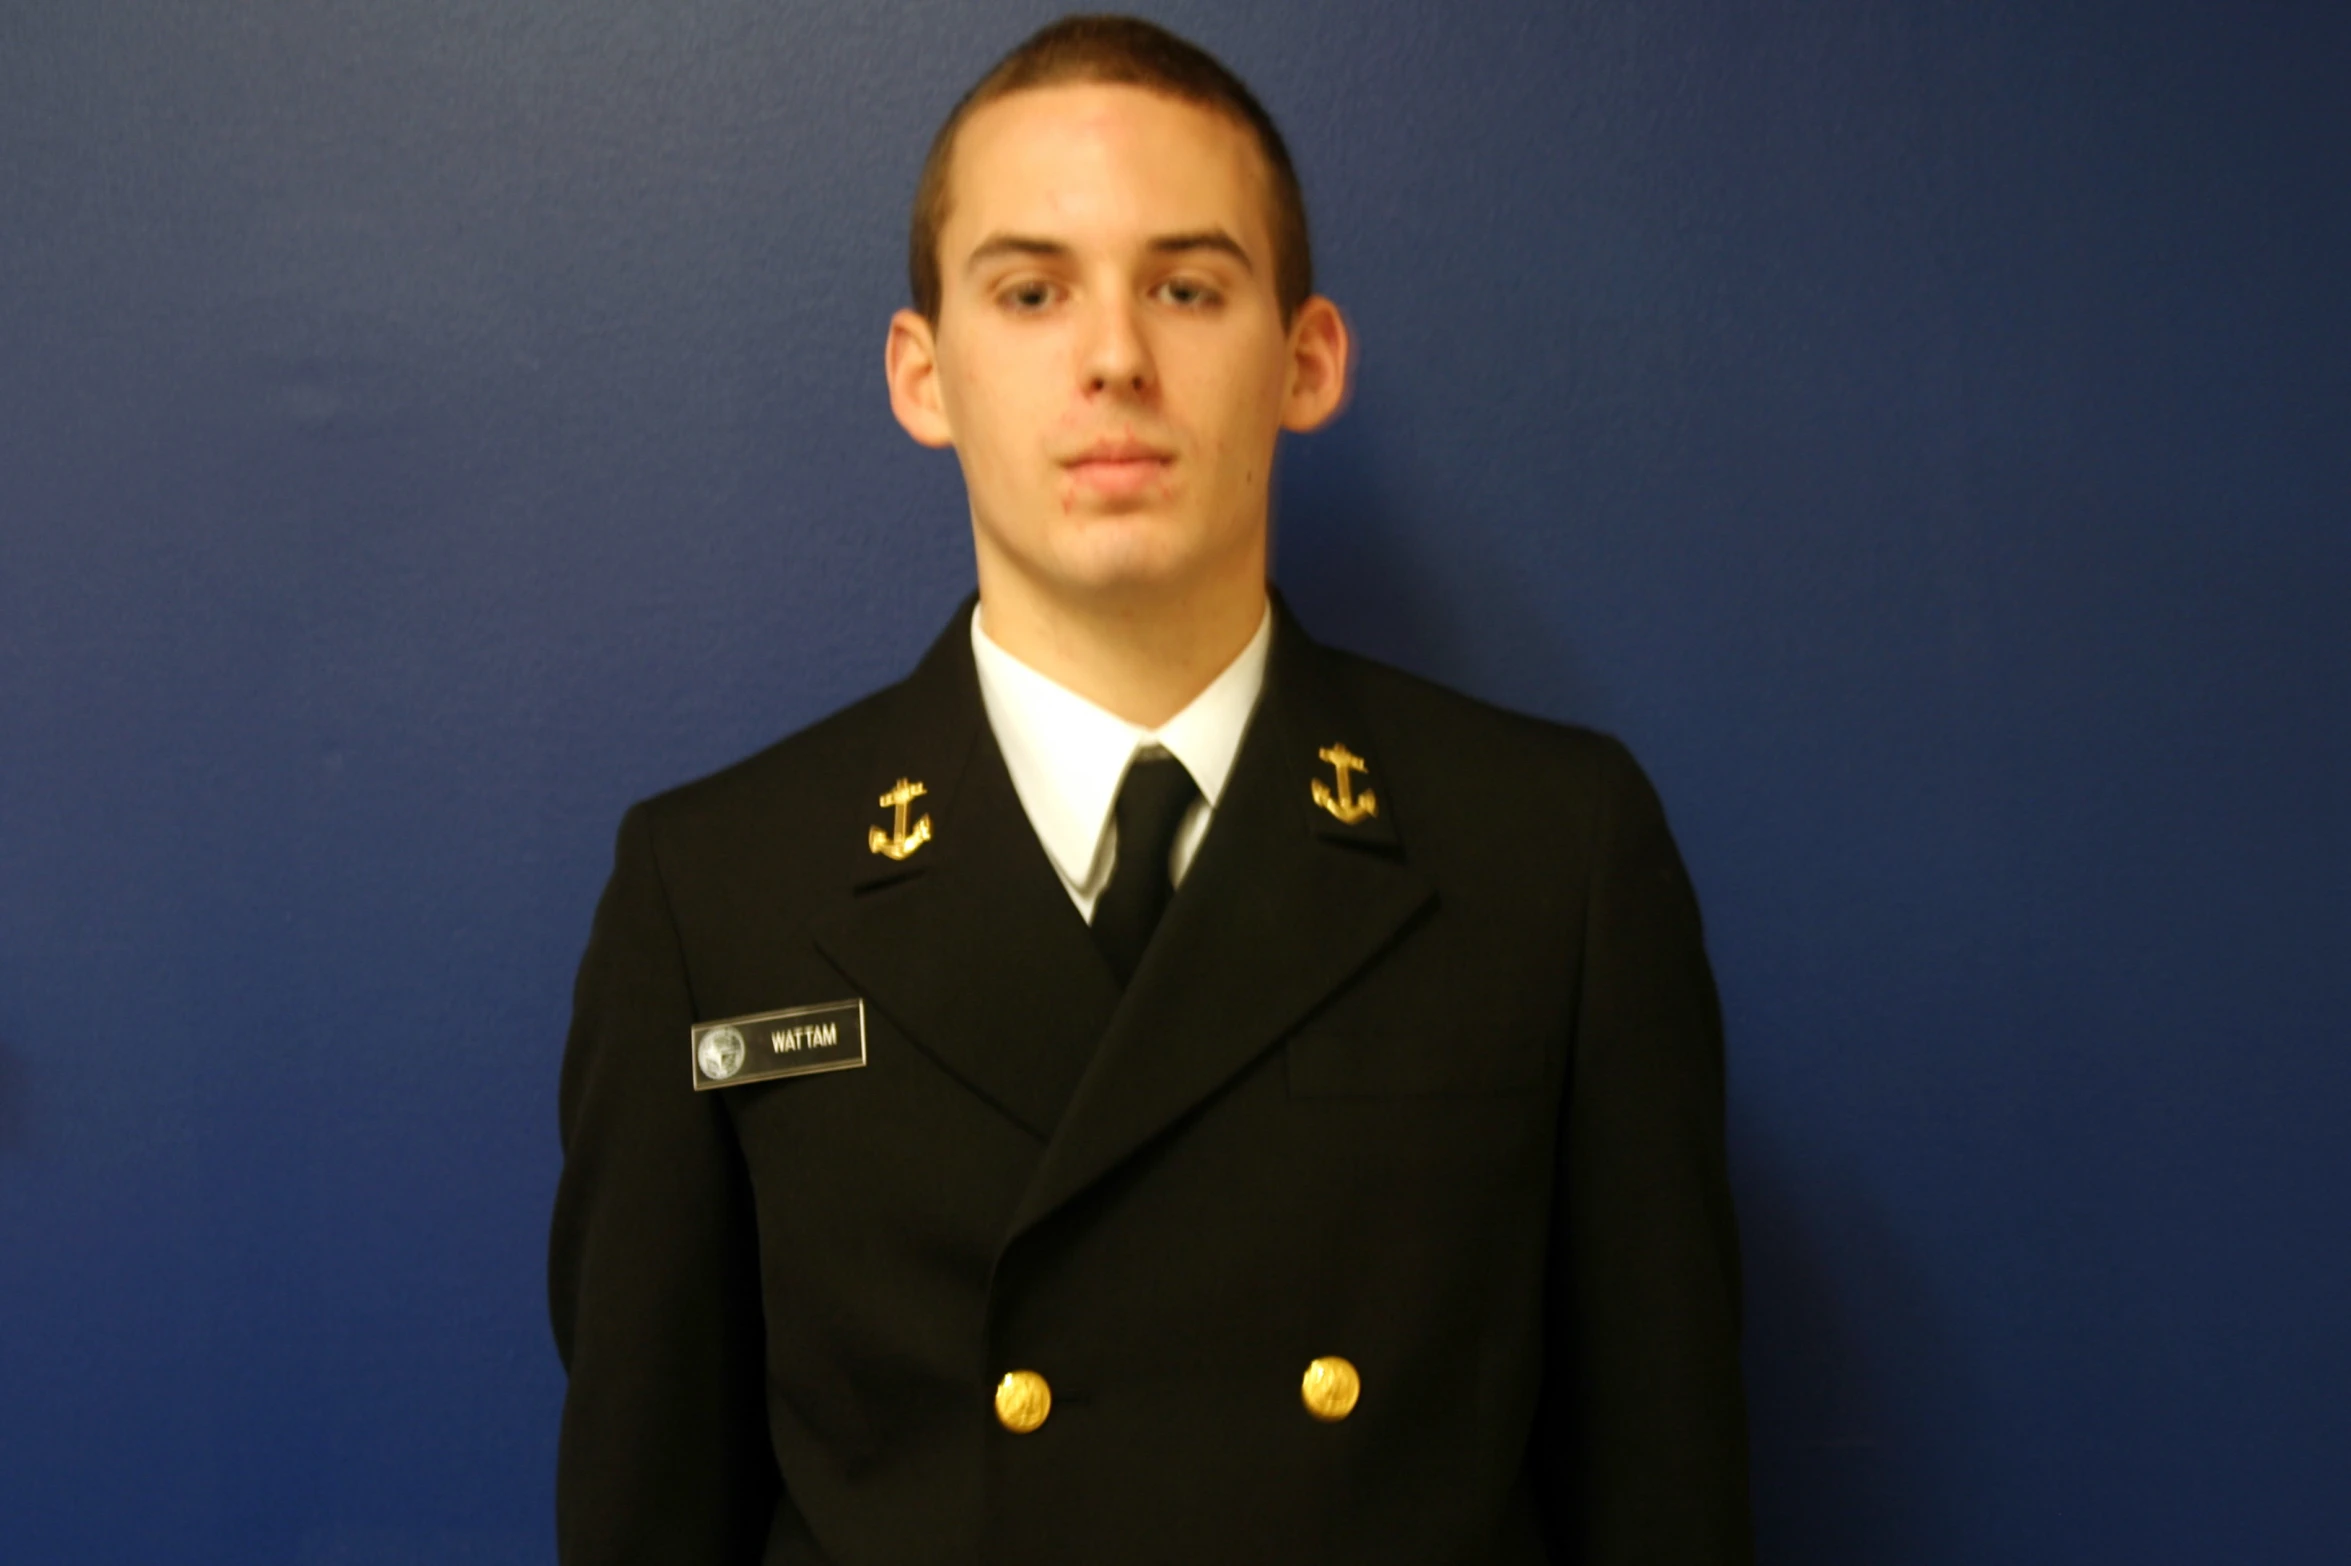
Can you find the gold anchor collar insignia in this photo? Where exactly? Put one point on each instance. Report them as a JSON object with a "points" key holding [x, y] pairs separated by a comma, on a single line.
{"points": [[1344, 802], [901, 839]]}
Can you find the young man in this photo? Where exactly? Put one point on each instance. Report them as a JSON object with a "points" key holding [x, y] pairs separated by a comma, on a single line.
{"points": [[1114, 1096]]}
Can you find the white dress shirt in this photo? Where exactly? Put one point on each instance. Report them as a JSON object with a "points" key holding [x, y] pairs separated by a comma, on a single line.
{"points": [[1068, 757]]}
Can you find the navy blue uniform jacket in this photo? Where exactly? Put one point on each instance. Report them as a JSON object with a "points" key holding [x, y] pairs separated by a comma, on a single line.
{"points": [[1438, 1091]]}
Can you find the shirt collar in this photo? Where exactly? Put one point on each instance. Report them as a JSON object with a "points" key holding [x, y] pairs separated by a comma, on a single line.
{"points": [[1067, 756]]}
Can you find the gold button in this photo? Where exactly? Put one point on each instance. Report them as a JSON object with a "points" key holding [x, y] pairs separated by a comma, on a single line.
{"points": [[1022, 1401], [1330, 1389]]}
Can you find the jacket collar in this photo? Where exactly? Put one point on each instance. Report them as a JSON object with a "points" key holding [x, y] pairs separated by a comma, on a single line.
{"points": [[968, 943], [1283, 904], [971, 945]]}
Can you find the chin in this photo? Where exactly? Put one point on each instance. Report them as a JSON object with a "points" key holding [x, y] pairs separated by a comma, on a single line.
{"points": [[1126, 578], [1133, 553], [1117, 557]]}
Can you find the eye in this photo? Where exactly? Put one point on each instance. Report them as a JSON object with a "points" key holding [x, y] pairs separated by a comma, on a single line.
{"points": [[1189, 293], [1027, 296]]}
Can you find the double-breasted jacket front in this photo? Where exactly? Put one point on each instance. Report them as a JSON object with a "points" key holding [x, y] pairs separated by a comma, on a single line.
{"points": [[1435, 1090]]}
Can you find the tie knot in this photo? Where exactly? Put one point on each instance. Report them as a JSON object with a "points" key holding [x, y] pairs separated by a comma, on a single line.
{"points": [[1151, 804]]}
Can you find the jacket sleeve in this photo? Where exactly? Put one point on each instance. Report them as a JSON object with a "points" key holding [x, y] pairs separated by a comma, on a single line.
{"points": [[653, 1277], [1644, 1419]]}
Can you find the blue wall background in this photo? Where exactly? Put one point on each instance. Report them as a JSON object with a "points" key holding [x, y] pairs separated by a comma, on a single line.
{"points": [[1922, 429]]}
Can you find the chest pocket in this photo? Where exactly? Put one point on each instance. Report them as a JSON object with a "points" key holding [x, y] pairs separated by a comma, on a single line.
{"points": [[1468, 1003], [1461, 1055]]}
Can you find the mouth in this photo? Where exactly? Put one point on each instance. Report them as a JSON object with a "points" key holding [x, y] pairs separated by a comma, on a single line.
{"points": [[1116, 468]]}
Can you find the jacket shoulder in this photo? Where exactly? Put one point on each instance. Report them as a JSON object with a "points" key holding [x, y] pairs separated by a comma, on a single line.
{"points": [[779, 784], [1424, 716], [1463, 768]]}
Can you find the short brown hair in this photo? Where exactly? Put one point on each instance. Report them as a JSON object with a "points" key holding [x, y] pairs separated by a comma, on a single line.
{"points": [[1125, 51]]}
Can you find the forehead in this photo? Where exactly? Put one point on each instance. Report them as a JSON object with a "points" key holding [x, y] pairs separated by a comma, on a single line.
{"points": [[1078, 156]]}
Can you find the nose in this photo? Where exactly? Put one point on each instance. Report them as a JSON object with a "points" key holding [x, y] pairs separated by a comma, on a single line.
{"points": [[1116, 355]]}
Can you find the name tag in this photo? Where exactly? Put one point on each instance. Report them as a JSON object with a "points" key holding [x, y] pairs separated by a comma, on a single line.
{"points": [[792, 1043]]}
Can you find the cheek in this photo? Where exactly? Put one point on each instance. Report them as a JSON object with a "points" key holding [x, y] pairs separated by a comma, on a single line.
{"points": [[1244, 442], [987, 426], [992, 398]]}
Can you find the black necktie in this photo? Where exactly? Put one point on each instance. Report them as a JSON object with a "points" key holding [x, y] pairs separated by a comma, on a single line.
{"points": [[1151, 806]]}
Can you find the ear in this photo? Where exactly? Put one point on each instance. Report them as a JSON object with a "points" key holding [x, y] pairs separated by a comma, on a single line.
{"points": [[911, 361], [1321, 357]]}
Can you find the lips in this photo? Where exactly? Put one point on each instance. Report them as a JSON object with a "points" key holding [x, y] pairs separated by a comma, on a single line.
{"points": [[1115, 451], [1119, 467]]}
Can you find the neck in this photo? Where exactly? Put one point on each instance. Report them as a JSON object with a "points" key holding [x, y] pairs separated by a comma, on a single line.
{"points": [[1143, 658]]}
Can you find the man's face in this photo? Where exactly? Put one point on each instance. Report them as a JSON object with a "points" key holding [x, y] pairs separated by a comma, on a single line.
{"points": [[1110, 362]]}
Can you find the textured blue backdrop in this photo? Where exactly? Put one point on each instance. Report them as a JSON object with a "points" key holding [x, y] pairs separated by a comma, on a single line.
{"points": [[1922, 429]]}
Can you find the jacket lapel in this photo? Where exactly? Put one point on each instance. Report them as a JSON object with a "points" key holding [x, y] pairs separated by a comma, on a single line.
{"points": [[1283, 904], [969, 944]]}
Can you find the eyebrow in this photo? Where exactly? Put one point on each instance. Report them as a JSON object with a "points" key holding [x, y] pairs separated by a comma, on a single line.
{"points": [[997, 246]]}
